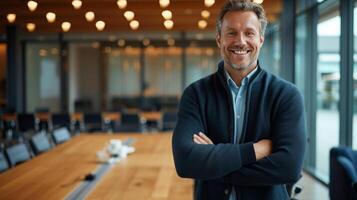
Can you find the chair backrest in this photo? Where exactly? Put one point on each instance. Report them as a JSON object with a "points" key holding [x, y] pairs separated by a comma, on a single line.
{"points": [[17, 153], [343, 173], [40, 143], [92, 118], [4, 165], [130, 123], [169, 120], [130, 118], [61, 135], [61, 120], [26, 122]]}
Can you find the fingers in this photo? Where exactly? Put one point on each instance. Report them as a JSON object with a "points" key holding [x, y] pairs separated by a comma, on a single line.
{"points": [[201, 138], [205, 138], [198, 140]]}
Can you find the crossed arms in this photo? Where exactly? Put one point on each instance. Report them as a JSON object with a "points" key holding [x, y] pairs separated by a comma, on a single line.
{"points": [[265, 162]]}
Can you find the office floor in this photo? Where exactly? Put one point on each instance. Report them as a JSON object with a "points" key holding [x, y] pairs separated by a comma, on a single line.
{"points": [[312, 189]]}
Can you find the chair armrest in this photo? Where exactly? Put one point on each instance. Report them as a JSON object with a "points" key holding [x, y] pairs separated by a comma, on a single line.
{"points": [[350, 170]]}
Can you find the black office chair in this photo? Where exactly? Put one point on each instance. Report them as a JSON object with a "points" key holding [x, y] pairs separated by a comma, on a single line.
{"points": [[4, 165], [61, 135], [40, 143], [130, 123], [169, 120], [93, 122], [343, 173], [60, 120], [26, 122], [17, 154]]}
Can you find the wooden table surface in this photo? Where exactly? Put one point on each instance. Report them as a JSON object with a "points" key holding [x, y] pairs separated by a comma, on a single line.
{"points": [[146, 174]]}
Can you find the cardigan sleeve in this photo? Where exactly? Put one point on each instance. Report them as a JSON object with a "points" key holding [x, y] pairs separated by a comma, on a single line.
{"points": [[284, 165], [203, 161]]}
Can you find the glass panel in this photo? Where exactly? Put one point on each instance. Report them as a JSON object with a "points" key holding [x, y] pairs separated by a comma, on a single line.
{"points": [[123, 75], [300, 55], [3, 75], [200, 62], [163, 71], [269, 57], [84, 77], [42, 77], [328, 83], [355, 80]]}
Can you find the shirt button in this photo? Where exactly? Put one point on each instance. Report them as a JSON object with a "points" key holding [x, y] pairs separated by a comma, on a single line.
{"points": [[226, 191], [239, 97], [238, 116]]}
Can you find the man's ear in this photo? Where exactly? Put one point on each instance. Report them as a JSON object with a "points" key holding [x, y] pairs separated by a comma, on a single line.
{"points": [[218, 39], [261, 40]]}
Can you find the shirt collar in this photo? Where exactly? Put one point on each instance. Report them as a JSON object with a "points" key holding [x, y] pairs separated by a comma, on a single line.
{"points": [[245, 80]]}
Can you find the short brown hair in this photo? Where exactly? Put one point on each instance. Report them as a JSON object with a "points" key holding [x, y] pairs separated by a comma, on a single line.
{"points": [[242, 5]]}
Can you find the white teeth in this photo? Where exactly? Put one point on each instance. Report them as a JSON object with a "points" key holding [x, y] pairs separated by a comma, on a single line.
{"points": [[240, 52]]}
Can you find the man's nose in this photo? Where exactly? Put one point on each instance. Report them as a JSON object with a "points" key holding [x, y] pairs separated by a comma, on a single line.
{"points": [[240, 39]]}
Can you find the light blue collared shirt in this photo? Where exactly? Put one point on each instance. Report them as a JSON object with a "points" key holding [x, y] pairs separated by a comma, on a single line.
{"points": [[239, 97]]}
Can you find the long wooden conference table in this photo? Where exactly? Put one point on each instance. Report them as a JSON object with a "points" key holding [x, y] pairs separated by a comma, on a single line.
{"points": [[148, 173]]}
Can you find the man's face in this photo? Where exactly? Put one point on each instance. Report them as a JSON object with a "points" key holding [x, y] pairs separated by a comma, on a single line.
{"points": [[240, 40]]}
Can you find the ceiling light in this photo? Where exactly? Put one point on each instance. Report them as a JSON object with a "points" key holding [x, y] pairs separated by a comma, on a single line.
{"points": [[209, 3], [164, 3], [205, 14], [90, 16], [202, 24], [146, 42], [32, 5], [122, 4], [168, 24], [100, 25], [121, 42], [51, 17], [258, 1], [166, 14], [134, 24], [11, 17], [30, 27], [129, 15], [77, 4], [66, 26]]}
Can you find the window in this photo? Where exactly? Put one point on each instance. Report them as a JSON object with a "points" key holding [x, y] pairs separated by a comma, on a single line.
{"points": [[327, 83], [354, 143], [200, 63], [42, 77], [163, 71]]}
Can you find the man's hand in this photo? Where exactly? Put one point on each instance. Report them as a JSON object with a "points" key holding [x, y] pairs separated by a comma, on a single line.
{"points": [[201, 138], [263, 148]]}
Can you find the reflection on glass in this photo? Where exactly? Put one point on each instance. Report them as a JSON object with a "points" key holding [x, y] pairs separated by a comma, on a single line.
{"points": [[124, 72], [42, 77], [163, 71], [123, 75], [328, 83], [200, 63]]}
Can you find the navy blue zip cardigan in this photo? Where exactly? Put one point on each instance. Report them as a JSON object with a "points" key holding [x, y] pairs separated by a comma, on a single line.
{"points": [[274, 110]]}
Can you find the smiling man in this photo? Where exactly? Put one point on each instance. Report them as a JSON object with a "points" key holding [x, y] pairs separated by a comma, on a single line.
{"points": [[241, 131]]}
